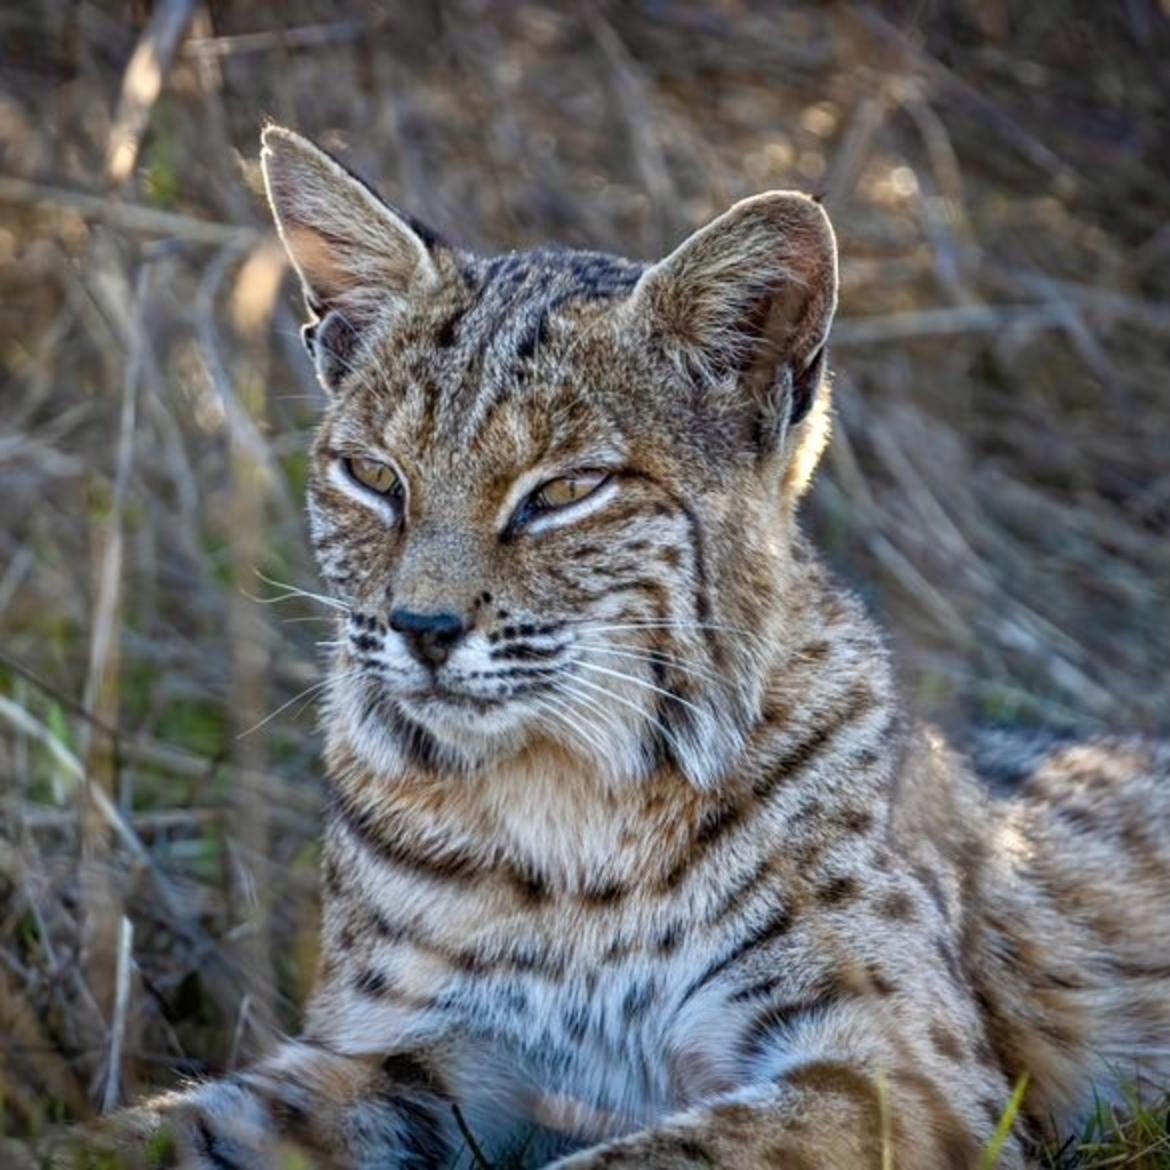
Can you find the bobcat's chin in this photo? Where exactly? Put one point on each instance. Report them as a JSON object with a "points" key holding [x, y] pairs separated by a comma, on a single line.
{"points": [[469, 722]]}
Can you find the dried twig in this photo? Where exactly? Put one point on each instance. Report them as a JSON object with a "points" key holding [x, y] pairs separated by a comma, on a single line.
{"points": [[118, 1026], [128, 216], [945, 322], [308, 36], [142, 83]]}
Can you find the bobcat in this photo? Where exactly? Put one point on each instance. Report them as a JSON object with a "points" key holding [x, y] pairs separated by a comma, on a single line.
{"points": [[632, 858]]}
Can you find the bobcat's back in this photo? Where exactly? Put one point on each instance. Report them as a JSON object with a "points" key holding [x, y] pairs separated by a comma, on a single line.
{"points": [[1071, 939]]}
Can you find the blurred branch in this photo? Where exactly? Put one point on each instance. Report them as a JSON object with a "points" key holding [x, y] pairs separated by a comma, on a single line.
{"points": [[131, 216], [310, 36], [142, 83], [121, 1015], [177, 761], [636, 101], [101, 898], [1049, 314], [943, 322], [1037, 152]]}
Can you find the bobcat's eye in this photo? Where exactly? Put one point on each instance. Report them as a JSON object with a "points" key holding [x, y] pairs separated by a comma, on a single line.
{"points": [[568, 489], [558, 501], [378, 477]]}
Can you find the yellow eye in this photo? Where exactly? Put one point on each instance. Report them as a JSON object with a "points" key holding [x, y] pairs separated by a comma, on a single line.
{"points": [[558, 493], [378, 477]]}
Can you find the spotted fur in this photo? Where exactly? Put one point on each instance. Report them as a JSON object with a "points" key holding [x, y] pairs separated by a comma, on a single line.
{"points": [[649, 865]]}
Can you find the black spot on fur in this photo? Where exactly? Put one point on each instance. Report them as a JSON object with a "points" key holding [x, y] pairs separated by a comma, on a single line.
{"points": [[781, 1016], [773, 927], [605, 894], [837, 890], [371, 982], [638, 999], [575, 1021]]}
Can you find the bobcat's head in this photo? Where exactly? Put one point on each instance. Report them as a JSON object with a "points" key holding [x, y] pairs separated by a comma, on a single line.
{"points": [[555, 490]]}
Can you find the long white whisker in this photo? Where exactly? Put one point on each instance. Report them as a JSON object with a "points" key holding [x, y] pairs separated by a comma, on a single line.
{"points": [[755, 641], [560, 712], [295, 591], [602, 722], [661, 657], [673, 625], [319, 685], [610, 694], [640, 682], [608, 724]]}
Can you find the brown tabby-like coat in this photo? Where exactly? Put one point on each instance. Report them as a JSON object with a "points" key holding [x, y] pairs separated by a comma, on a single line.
{"points": [[630, 850]]}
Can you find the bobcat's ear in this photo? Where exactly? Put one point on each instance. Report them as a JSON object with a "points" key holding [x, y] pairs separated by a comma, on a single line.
{"points": [[747, 302], [358, 258]]}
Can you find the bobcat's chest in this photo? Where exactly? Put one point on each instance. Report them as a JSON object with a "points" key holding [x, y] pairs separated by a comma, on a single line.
{"points": [[589, 1047]]}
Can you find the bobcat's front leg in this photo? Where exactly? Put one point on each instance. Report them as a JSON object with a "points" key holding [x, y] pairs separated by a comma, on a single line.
{"points": [[826, 1114], [338, 1112]]}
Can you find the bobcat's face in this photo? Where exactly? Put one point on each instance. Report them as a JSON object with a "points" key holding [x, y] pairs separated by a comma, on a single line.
{"points": [[552, 489]]}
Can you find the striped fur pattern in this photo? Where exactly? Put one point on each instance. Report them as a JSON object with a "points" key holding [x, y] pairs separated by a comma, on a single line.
{"points": [[649, 869]]}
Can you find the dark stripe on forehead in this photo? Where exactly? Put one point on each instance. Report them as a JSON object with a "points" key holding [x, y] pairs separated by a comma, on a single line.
{"points": [[589, 277], [598, 275], [506, 306], [509, 286], [507, 324]]}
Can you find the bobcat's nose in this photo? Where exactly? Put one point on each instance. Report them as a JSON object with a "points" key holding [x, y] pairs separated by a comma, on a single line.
{"points": [[430, 637]]}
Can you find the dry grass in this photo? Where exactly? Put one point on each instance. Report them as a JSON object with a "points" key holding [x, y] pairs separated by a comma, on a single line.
{"points": [[999, 486]]}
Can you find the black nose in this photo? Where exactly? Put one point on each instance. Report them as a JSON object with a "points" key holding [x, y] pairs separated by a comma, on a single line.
{"points": [[430, 637]]}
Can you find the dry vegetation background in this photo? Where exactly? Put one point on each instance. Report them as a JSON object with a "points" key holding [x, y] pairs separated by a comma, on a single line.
{"points": [[998, 487]]}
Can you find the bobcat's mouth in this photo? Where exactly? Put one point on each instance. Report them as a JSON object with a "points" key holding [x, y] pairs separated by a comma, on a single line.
{"points": [[451, 714]]}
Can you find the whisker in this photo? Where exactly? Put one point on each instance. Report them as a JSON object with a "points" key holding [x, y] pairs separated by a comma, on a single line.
{"points": [[661, 657], [610, 694], [604, 722], [663, 624], [758, 643], [604, 714], [640, 682], [560, 713], [294, 591], [309, 692]]}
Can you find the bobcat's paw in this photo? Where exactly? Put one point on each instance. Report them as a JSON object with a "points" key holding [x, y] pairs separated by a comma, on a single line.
{"points": [[212, 1128]]}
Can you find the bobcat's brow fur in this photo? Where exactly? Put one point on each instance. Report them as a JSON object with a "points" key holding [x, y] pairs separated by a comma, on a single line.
{"points": [[647, 862]]}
